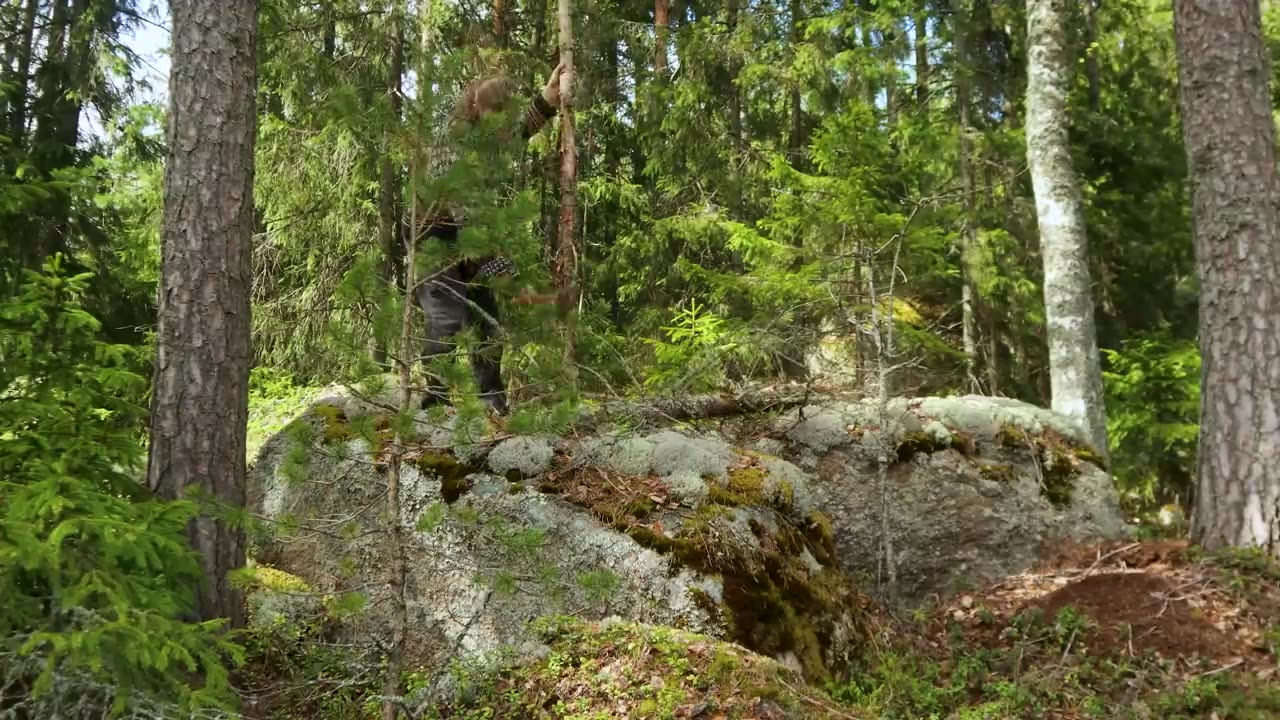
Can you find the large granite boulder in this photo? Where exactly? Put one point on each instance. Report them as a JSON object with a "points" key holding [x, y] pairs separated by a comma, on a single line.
{"points": [[662, 528], [748, 531], [973, 488]]}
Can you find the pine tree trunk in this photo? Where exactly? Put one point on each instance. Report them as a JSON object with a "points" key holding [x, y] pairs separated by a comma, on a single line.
{"points": [[500, 23], [1074, 366], [922, 60], [795, 141], [199, 405], [969, 228], [735, 98], [22, 75], [1230, 139], [389, 187], [564, 266], [660, 26]]}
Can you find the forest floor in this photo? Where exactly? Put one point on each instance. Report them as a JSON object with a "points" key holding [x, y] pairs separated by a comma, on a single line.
{"points": [[1124, 630], [1120, 630]]}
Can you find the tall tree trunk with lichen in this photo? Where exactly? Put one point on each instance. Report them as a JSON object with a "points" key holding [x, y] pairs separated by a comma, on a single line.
{"points": [[1075, 372], [564, 263], [1230, 142], [200, 397], [969, 227], [389, 178]]}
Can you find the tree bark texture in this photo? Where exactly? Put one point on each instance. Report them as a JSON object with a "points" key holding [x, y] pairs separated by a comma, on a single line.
{"points": [[969, 228], [564, 266], [660, 26], [23, 49], [1230, 140], [735, 97], [795, 140], [500, 22], [1074, 366], [389, 185], [199, 405], [922, 60]]}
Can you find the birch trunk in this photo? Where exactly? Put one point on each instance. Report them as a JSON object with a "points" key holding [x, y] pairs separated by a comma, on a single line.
{"points": [[1230, 140], [1075, 373], [200, 400]]}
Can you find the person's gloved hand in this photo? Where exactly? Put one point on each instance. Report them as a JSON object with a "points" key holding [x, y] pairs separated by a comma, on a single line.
{"points": [[551, 91]]}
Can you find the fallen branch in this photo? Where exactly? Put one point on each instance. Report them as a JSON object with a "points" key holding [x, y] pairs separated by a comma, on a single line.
{"points": [[699, 407]]}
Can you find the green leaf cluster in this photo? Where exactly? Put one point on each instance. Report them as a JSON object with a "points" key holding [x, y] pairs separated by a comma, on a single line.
{"points": [[96, 576]]}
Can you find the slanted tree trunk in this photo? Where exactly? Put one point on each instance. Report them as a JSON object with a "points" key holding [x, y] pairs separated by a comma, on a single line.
{"points": [[1230, 141], [564, 266], [1074, 367], [199, 406]]}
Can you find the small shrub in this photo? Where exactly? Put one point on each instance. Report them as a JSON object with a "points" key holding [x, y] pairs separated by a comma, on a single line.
{"points": [[96, 575]]}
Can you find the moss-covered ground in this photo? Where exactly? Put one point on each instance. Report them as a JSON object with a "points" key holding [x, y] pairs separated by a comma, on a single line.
{"points": [[1129, 631], [1071, 640]]}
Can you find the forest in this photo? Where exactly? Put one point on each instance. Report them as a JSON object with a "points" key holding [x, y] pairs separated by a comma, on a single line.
{"points": [[640, 359]]}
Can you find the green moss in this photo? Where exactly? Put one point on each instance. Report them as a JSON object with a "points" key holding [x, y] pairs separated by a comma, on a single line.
{"points": [[919, 442], [452, 473], [719, 495], [271, 578], [1086, 454], [786, 494], [337, 427], [820, 529], [713, 609], [1011, 436], [999, 472], [640, 508], [964, 443], [1057, 457], [748, 483], [695, 671], [1057, 474], [769, 602]]}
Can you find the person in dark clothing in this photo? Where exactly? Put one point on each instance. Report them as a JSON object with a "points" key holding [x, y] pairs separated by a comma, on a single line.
{"points": [[461, 294]]}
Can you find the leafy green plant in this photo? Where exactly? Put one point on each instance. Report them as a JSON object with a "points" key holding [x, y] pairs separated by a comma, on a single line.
{"points": [[1153, 400], [97, 576], [692, 356]]}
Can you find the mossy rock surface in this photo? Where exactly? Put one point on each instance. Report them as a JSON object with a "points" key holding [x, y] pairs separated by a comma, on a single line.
{"points": [[968, 488], [667, 529], [628, 670]]}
